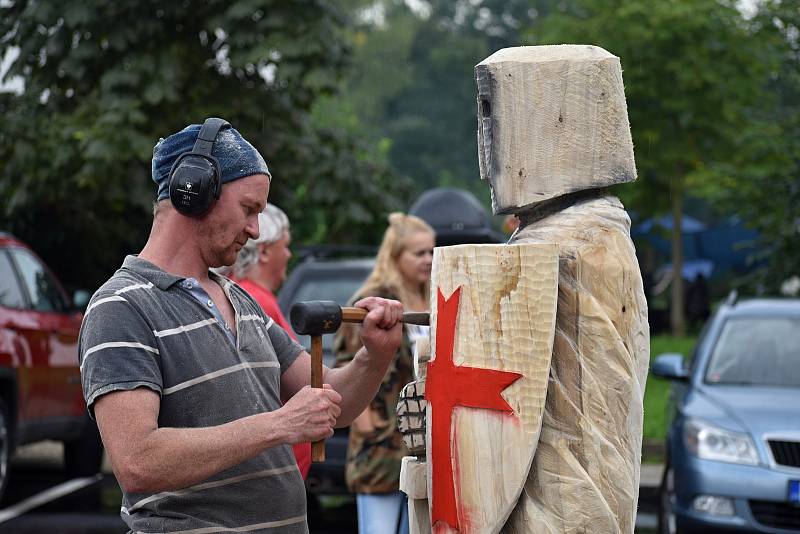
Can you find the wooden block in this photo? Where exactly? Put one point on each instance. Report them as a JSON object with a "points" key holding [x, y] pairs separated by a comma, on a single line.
{"points": [[411, 417], [585, 474], [412, 478], [419, 521], [505, 322], [551, 120]]}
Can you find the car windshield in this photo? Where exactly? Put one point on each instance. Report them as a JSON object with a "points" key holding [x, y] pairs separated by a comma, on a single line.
{"points": [[757, 351]]}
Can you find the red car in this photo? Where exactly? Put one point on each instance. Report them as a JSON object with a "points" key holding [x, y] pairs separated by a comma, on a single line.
{"points": [[40, 383]]}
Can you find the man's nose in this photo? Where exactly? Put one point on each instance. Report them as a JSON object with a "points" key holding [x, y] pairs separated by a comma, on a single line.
{"points": [[252, 227]]}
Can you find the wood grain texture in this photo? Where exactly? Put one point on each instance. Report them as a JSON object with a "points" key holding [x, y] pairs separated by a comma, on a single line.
{"points": [[412, 483], [411, 417], [551, 120], [506, 321], [585, 473], [317, 447]]}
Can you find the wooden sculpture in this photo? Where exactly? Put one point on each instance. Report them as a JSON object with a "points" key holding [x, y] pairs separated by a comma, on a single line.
{"points": [[494, 313], [553, 132]]}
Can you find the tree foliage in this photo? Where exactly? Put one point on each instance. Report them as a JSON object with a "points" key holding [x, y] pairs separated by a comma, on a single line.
{"points": [[761, 180], [414, 87], [352, 102], [691, 87], [102, 83]]}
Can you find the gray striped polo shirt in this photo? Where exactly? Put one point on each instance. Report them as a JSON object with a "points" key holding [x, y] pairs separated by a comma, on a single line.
{"points": [[142, 329]]}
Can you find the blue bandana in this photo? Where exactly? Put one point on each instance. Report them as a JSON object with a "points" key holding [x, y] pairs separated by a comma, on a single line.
{"points": [[237, 158]]}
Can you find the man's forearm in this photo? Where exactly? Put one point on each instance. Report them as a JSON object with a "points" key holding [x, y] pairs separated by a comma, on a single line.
{"points": [[175, 458], [357, 382], [147, 458]]}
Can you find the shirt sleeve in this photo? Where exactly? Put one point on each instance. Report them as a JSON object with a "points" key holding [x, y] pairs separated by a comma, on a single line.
{"points": [[286, 349], [118, 350], [270, 306]]}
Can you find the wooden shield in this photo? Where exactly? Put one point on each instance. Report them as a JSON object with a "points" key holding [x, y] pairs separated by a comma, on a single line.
{"points": [[493, 322]]}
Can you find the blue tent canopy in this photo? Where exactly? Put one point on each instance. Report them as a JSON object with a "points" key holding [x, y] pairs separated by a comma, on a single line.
{"points": [[722, 247]]}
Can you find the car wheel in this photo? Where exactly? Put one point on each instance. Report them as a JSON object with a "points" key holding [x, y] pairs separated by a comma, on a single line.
{"points": [[5, 448], [84, 455], [667, 522]]}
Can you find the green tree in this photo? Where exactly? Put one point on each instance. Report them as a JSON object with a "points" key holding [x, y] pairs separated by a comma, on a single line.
{"points": [[103, 82], [694, 70], [761, 179], [413, 83]]}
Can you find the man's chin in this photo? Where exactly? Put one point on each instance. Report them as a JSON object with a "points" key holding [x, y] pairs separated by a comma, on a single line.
{"points": [[224, 261]]}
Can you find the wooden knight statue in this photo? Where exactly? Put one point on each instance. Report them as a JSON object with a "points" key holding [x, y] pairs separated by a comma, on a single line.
{"points": [[553, 134]]}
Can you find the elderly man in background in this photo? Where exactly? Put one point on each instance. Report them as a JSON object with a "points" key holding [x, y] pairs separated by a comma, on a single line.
{"points": [[260, 269]]}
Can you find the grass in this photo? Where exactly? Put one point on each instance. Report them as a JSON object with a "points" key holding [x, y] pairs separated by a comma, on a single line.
{"points": [[657, 390]]}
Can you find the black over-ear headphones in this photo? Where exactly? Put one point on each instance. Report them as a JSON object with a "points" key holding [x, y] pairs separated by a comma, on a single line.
{"points": [[194, 179]]}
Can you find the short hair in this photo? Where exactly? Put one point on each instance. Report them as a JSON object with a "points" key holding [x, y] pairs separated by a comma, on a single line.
{"points": [[272, 224]]}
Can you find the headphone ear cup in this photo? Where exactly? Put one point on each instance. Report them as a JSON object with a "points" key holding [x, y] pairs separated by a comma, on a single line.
{"points": [[193, 184]]}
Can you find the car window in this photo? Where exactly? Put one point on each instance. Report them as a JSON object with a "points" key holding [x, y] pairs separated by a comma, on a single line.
{"points": [[10, 292], [700, 347], [757, 351], [42, 288]]}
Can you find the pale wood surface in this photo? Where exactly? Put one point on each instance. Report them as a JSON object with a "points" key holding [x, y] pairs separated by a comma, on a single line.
{"points": [[412, 478], [585, 474], [412, 404], [551, 120], [506, 321], [422, 355], [411, 417], [413, 483]]}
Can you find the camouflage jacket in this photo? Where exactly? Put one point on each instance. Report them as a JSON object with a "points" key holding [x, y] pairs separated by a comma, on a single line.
{"points": [[373, 459]]}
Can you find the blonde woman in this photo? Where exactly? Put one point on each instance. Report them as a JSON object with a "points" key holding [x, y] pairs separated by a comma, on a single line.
{"points": [[402, 272]]}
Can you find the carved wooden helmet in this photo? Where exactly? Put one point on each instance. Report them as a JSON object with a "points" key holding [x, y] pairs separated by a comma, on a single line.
{"points": [[552, 120]]}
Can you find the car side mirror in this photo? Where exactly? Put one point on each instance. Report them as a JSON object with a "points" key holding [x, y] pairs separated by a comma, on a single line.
{"points": [[670, 366], [80, 299]]}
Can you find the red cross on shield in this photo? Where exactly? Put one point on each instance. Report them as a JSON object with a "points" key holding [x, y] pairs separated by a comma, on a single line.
{"points": [[484, 413]]}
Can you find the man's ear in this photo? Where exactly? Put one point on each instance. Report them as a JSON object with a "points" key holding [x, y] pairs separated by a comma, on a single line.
{"points": [[263, 254]]}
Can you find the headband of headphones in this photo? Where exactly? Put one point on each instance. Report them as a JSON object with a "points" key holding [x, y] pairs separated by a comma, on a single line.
{"points": [[208, 135]]}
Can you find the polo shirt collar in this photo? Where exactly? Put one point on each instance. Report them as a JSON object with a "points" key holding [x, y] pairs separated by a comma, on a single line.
{"points": [[161, 279]]}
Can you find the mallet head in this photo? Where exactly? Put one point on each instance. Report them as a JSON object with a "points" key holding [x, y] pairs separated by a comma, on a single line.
{"points": [[316, 317]]}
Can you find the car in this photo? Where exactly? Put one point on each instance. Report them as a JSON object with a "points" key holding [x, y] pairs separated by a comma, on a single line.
{"points": [[320, 277], [733, 447], [40, 383]]}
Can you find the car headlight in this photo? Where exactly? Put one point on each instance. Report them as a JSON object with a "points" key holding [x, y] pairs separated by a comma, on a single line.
{"points": [[710, 442]]}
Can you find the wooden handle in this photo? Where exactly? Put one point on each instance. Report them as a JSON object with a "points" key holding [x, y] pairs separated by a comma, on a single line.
{"points": [[356, 315], [353, 315], [317, 447]]}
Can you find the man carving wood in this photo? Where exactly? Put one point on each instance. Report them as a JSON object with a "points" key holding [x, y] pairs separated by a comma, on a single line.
{"points": [[553, 133]]}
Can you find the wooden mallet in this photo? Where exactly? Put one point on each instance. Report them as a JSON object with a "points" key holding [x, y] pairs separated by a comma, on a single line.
{"points": [[317, 317]]}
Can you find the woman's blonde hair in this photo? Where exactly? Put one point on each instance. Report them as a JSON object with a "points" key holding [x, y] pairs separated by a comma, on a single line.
{"points": [[386, 275]]}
